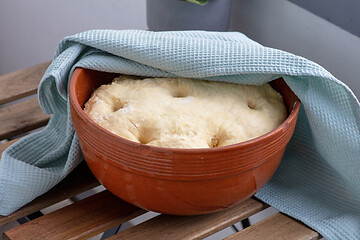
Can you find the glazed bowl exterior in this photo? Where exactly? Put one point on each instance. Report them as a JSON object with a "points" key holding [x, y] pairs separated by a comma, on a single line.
{"points": [[177, 181]]}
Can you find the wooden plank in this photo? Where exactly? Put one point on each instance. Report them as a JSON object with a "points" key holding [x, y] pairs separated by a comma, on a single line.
{"points": [[22, 83], [80, 220], [4, 146], [278, 226], [191, 227], [80, 180], [21, 117]]}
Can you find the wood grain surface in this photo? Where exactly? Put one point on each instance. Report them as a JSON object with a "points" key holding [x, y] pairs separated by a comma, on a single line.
{"points": [[21, 117], [80, 220], [80, 180], [5, 145], [191, 227], [21, 83], [276, 227]]}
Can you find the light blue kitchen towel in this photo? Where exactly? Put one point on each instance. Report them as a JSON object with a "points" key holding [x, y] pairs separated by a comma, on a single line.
{"points": [[318, 181]]}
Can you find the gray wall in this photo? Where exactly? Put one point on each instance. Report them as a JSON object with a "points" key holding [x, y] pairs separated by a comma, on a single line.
{"points": [[31, 30], [345, 14], [284, 25]]}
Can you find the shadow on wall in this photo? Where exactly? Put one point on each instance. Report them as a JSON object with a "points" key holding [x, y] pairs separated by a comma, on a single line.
{"points": [[286, 26], [165, 15]]}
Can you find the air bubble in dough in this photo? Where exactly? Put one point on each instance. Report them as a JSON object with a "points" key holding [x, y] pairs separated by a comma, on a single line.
{"points": [[185, 113]]}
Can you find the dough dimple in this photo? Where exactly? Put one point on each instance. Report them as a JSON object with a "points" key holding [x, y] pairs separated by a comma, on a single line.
{"points": [[185, 113]]}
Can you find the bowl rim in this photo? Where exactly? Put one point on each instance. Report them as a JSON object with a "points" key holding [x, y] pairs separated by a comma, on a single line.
{"points": [[73, 101]]}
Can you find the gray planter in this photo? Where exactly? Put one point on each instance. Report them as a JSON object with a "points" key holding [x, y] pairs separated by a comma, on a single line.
{"points": [[166, 15]]}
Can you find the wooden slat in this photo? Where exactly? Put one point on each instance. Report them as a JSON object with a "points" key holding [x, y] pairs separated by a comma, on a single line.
{"points": [[191, 227], [80, 220], [21, 117], [278, 226], [21, 83], [80, 180], [4, 146]]}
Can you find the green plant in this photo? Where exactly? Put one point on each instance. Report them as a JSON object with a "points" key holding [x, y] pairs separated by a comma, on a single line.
{"points": [[200, 2]]}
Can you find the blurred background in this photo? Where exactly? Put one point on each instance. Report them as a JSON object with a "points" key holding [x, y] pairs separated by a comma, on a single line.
{"points": [[31, 30]]}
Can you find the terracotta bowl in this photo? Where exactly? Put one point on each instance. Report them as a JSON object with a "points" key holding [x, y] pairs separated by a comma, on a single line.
{"points": [[177, 181]]}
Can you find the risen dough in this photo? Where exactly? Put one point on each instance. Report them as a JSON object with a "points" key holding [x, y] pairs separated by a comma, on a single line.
{"points": [[185, 113]]}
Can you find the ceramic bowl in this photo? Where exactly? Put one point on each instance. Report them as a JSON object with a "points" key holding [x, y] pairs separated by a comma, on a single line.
{"points": [[177, 181]]}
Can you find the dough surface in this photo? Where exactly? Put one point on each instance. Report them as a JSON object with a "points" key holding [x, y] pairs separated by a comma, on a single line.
{"points": [[185, 113]]}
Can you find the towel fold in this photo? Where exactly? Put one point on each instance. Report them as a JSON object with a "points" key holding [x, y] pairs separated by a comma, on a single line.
{"points": [[318, 181]]}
